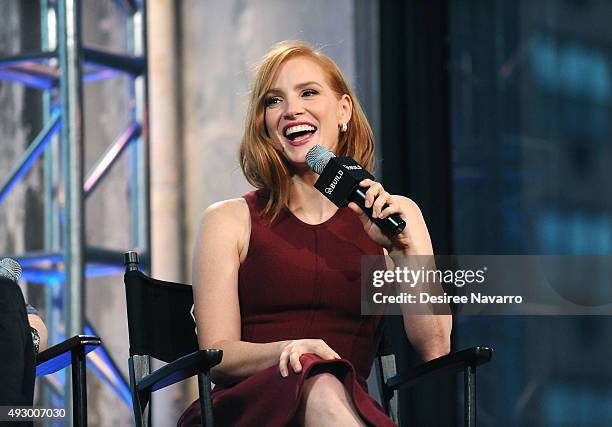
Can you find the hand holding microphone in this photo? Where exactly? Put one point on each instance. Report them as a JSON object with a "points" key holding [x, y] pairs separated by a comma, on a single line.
{"points": [[339, 181]]}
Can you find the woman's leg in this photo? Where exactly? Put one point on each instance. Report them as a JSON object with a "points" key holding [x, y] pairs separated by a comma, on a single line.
{"points": [[326, 402]]}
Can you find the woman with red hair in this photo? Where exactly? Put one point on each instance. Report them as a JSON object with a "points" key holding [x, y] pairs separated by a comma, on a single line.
{"points": [[277, 271]]}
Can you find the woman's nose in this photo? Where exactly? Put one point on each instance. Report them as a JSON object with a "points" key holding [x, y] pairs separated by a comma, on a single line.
{"points": [[293, 107]]}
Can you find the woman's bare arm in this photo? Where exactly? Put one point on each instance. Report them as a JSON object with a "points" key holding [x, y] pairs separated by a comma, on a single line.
{"points": [[429, 334], [221, 246], [221, 243]]}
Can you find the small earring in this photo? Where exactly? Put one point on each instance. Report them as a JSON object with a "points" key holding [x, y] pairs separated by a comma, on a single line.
{"points": [[344, 127]]}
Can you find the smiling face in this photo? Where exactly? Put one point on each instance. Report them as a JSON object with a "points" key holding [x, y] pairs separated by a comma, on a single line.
{"points": [[302, 110]]}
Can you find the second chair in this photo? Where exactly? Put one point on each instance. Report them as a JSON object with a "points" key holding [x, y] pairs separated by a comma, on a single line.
{"points": [[160, 325]]}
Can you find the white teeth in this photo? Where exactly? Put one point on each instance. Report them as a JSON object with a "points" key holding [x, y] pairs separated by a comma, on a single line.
{"points": [[299, 128]]}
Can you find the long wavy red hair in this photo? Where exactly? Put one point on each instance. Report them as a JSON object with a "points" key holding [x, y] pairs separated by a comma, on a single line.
{"points": [[261, 159]]}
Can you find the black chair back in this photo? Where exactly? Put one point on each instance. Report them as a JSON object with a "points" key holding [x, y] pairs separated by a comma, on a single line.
{"points": [[161, 325], [159, 320]]}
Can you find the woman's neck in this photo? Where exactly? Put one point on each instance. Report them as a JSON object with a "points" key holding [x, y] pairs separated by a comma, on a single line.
{"points": [[306, 202]]}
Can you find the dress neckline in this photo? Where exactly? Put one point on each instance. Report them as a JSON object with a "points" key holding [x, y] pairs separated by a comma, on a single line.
{"points": [[328, 221]]}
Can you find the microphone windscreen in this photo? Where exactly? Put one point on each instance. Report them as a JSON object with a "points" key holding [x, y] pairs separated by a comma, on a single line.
{"points": [[12, 267], [318, 157]]}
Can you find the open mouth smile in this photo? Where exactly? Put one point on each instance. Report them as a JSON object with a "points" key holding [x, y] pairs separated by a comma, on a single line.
{"points": [[299, 133]]}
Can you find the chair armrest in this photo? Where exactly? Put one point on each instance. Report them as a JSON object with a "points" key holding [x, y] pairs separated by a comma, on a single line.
{"points": [[184, 367], [451, 363], [60, 355]]}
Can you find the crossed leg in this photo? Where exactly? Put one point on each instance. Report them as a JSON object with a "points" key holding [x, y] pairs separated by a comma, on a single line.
{"points": [[326, 402]]}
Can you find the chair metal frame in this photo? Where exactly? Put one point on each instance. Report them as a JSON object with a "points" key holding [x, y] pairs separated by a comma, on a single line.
{"points": [[389, 382]]}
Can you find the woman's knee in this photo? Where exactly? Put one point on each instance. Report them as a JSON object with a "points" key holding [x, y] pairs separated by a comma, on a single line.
{"points": [[325, 401], [323, 390]]}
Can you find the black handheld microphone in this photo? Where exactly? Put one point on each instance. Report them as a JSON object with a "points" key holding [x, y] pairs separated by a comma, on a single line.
{"points": [[339, 181]]}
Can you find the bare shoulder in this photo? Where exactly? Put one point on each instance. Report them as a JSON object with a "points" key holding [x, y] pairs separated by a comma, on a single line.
{"points": [[227, 211], [227, 221]]}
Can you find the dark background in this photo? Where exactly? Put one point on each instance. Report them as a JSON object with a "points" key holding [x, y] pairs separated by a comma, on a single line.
{"points": [[495, 120]]}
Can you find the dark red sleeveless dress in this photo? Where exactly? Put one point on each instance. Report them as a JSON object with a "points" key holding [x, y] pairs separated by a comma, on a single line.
{"points": [[300, 281]]}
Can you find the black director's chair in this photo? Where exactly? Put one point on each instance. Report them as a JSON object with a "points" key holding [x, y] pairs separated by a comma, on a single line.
{"points": [[70, 352], [464, 361], [160, 325]]}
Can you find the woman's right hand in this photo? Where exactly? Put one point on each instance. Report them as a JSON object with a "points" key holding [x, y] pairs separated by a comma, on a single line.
{"points": [[294, 349]]}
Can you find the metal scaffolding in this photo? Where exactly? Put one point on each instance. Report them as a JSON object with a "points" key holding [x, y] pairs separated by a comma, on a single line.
{"points": [[60, 69]]}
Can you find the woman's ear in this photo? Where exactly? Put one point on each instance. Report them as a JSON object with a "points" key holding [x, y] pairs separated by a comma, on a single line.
{"points": [[345, 109]]}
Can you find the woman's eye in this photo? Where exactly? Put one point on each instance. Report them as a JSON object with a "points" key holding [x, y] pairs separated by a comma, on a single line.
{"points": [[309, 92], [272, 100]]}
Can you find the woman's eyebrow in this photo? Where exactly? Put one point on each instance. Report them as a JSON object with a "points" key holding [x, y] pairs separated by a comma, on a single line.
{"points": [[312, 83], [298, 86]]}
